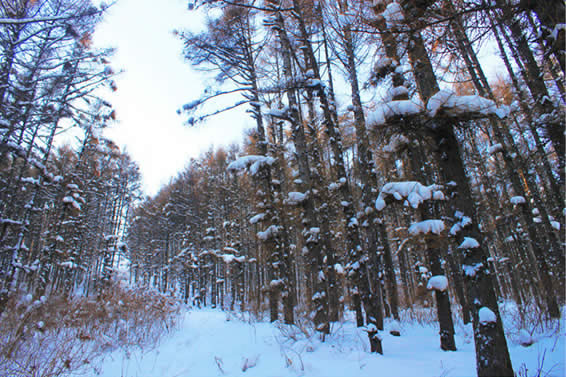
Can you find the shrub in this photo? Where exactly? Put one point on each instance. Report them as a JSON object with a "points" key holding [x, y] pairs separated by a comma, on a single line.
{"points": [[60, 335]]}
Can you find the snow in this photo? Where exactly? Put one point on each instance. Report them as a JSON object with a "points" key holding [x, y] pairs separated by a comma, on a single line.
{"points": [[525, 338], [398, 91], [438, 283], [393, 109], [414, 192], [393, 15], [278, 113], [70, 200], [455, 229], [257, 218], [353, 222], [31, 180], [339, 269], [395, 143], [252, 163], [294, 198], [229, 258], [469, 243], [276, 283], [495, 148], [208, 340], [557, 28], [270, 232], [453, 105], [486, 315], [426, 227], [68, 264], [517, 200]]}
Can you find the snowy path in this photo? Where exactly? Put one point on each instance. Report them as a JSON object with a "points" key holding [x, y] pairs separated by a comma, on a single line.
{"points": [[207, 344]]}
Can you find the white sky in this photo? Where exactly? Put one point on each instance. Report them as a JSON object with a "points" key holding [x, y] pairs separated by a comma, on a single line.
{"points": [[156, 82]]}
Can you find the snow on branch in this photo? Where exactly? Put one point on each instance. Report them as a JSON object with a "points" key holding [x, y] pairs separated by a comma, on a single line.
{"points": [[516, 200], [299, 81], [469, 243], [438, 283], [452, 105], [391, 110], [252, 163], [486, 316], [427, 227], [257, 218], [295, 198], [495, 148], [229, 258], [396, 143], [444, 104], [414, 193], [21, 21], [269, 233]]}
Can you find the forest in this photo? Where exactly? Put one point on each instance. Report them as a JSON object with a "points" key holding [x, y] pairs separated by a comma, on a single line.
{"points": [[387, 173]]}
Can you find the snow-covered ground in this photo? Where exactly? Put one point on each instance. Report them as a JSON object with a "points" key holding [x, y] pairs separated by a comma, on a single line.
{"points": [[216, 343]]}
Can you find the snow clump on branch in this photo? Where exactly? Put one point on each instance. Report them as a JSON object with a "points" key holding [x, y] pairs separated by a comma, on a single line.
{"points": [[427, 227], [438, 283], [414, 192], [252, 163]]}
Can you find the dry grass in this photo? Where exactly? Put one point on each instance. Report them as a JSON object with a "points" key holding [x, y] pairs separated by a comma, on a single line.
{"points": [[61, 336]]}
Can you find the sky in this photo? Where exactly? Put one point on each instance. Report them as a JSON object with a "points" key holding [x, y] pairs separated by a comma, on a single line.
{"points": [[156, 83]]}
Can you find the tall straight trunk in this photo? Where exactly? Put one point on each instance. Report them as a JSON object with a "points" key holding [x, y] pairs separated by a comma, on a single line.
{"points": [[492, 354], [270, 191], [370, 295], [551, 14], [540, 243], [433, 251], [554, 122], [368, 216], [309, 220]]}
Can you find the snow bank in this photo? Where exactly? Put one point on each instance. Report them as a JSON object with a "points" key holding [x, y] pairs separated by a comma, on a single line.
{"points": [[251, 348], [525, 338]]}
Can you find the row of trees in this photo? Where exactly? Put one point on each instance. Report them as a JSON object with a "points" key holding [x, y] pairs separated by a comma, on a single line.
{"points": [[62, 210], [411, 184]]}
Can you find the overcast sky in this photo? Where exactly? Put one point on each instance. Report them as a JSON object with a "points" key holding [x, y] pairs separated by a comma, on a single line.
{"points": [[155, 84]]}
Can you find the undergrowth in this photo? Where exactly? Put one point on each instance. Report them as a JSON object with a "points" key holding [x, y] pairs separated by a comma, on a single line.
{"points": [[62, 336]]}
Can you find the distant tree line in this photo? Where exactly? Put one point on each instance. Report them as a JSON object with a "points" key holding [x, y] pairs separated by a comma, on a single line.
{"points": [[62, 209]]}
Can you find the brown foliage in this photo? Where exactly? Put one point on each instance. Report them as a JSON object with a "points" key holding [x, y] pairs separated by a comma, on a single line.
{"points": [[61, 335]]}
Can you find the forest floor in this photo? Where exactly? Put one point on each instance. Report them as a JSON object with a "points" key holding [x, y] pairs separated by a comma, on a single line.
{"points": [[215, 343]]}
